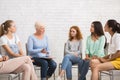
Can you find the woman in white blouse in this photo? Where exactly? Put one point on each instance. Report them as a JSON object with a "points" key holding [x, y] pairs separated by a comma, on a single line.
{"points": [[111, 61]]}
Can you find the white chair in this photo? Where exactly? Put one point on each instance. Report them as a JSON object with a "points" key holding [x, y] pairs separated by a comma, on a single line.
{"points": [[10, 76]]}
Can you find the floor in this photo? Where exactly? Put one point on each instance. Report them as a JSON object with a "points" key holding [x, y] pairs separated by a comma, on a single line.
{"points": [[104, 77]]}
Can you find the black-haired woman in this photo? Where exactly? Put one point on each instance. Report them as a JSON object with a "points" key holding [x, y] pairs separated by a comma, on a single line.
{"points": [[111, 61], [94, 48]]}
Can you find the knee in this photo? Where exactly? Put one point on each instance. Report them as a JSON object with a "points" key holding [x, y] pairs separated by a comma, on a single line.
{"points": [[80, 62], [69, 63], [54, 65], [27, 59], [96, 68], [26, 67], [94, 61], [67, 56], [94, 64], [44, 64]]}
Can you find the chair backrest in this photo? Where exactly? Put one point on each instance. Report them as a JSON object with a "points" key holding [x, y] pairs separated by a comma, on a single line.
{"points": [[65, 52], [64, 49], [26, 49], [106, 49]]}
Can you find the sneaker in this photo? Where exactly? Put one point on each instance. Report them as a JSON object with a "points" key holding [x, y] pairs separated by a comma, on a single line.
{"points": [[59, 78]]}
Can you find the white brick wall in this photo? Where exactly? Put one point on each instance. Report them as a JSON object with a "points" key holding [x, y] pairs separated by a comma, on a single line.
{"points": [[58, 16]]}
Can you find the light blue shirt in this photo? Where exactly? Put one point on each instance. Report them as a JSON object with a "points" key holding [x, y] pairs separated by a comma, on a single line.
{"points": [[35, 45]]}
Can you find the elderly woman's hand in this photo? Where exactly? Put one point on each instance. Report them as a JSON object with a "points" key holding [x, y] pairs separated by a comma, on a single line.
{"points": [[44, 51]]}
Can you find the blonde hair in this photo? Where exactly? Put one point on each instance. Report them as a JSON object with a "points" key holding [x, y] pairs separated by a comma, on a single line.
{"points": [[39, 25]]}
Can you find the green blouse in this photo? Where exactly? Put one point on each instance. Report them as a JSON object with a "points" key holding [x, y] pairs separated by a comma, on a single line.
{"points": [[95, 47]]}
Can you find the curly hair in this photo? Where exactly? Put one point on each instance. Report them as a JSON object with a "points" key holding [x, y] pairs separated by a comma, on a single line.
{"points": [[78, 35]]}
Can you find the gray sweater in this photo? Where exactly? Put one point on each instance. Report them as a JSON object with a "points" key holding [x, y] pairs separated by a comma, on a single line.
{"points": [[73, 47]]}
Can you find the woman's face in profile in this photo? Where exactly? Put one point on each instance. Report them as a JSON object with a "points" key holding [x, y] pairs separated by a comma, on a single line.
{"points": [[92, 28], [73, 32], [12, 27], [40, 29], [106, 28]]}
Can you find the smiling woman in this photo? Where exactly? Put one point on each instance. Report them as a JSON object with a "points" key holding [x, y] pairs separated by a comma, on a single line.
{"points": [[38, 48]]}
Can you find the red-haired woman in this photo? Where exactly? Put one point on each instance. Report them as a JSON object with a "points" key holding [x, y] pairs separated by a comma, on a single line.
{"points": [[72, 51]]}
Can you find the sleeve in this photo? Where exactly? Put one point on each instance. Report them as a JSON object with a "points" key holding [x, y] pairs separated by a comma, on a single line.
{"points": [[3, 41], [101, 46], [117, 42], [67, 51], [87, 46], [30, 46], [17, 38], [80, 48]]}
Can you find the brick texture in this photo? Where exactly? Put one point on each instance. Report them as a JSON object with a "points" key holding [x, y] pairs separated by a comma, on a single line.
{"points": [[58, 16]]}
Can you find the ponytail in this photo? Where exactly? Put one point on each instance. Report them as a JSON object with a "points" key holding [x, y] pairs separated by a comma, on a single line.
{"points": [[4, 27], [1, 29], [114, 25], [118, 27]]}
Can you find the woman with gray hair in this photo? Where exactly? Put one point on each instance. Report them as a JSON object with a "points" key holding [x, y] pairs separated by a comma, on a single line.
{"points": [[38, 48]]}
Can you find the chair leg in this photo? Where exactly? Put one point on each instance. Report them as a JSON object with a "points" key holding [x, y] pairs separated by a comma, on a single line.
{"points": [[100, 76], [111, 75], [54, 76], [9, 78], [78, 74], [59, 69], [19, 76]]}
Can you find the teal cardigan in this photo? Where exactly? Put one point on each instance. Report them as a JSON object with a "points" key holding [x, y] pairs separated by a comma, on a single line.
{"points": [[95, 47]]}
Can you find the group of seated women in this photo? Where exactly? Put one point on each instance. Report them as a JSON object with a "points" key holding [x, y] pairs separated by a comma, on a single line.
{"points": [[13, 60]]}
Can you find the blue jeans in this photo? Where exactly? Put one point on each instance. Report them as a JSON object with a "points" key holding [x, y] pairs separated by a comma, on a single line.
{"points": [[68, 61], [83, 66], [48, 66]]}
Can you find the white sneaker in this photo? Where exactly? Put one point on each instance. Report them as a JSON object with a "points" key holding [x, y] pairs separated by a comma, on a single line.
{"points": [[59, 78]]}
